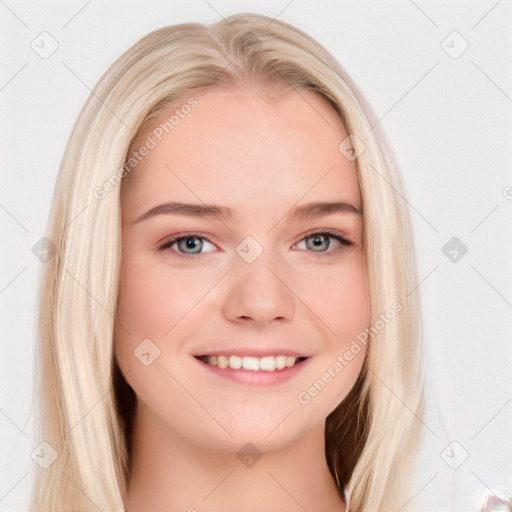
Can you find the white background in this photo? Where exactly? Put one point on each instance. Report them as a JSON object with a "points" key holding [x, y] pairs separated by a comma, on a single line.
{"points": [[450, 122]]}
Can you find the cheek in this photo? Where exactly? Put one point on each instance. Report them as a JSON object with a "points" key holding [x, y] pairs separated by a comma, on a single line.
{"points": [[153, 298], [339, 296], [340, 299]]}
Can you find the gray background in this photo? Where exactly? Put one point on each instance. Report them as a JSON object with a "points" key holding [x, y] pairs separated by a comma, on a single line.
{"points": [[449, 119]]}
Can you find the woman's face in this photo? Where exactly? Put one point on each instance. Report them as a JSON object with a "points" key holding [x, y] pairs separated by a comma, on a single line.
{"points": [[259, 283]]}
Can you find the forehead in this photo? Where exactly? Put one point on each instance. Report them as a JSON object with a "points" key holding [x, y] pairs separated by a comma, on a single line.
{"points": [[244, 149]]}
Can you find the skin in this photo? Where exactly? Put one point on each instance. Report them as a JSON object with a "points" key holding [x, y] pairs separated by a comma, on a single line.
{"points": [[260, 157]]}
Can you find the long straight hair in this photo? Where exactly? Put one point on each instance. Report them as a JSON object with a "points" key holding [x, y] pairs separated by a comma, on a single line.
{"points": [[84, 405]]}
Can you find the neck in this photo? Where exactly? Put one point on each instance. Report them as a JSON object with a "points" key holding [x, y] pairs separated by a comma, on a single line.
{"points": [[168, 472]]}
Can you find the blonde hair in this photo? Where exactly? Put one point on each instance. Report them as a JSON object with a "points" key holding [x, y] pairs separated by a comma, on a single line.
{"points": [[374, 435]]}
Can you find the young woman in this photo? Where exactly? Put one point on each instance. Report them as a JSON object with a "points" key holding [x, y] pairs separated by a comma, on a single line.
{"points": [[228, 323]]}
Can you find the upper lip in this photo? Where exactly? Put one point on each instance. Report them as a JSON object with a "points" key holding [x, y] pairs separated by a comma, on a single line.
{"points": [[254, 352]]}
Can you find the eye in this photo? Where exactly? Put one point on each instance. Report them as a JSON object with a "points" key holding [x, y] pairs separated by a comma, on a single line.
{"points": [[188, 245], [321, 240]]}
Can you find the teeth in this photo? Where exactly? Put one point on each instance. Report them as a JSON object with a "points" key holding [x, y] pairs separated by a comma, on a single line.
{"points": [[235, 362], [280, 362], [268, 363], [249, 363]]}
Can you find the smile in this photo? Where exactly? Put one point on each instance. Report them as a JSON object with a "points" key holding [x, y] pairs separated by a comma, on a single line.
{"points": [[253, 371], [268, 363]]}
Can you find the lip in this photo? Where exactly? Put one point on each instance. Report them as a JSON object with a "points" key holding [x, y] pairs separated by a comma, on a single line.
{"points": [[262, 378], [252, 353]]}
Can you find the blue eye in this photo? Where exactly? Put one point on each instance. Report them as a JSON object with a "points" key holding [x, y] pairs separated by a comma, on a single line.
{"points": [[191, 244], [322, 240], [185, 243]]}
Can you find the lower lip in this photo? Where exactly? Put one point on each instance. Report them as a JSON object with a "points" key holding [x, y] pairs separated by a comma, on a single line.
{"points": [[256, 377]]}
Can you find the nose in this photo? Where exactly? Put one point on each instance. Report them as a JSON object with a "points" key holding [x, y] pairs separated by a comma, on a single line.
{"points": [[259, 292]]}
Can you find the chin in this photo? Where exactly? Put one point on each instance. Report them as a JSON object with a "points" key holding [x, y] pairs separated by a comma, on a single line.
{"points": [[268, 430]]}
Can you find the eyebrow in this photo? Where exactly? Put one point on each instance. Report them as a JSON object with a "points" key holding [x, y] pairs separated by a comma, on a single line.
{"points": [[309, 210]]}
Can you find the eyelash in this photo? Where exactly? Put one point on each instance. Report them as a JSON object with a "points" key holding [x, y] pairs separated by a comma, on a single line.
{"points": [[343, 241]]}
